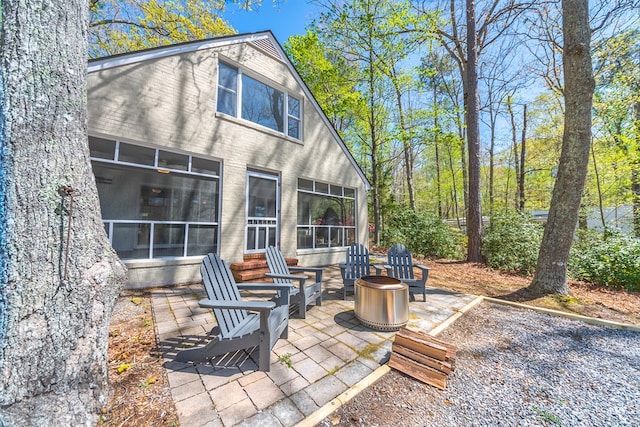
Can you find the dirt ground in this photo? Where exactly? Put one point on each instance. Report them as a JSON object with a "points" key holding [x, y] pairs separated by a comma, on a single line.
{"points": [[141, 395]]}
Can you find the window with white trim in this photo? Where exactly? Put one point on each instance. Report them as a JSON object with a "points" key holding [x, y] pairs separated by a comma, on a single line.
{"points": [[326, 215], [156, 203], [248, 98]]}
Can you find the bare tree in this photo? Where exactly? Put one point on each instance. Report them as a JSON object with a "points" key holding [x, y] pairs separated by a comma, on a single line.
{"points": [[579, 84], [496, 19]]}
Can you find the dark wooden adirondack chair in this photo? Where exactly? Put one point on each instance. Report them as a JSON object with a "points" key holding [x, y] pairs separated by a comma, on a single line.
{"points": [[400, 266], [303, 294], [356, 266], [241, 324]]}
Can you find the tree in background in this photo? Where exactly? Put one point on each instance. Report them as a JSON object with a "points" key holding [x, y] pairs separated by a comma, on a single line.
{"points": [[465, 39], [329, 77], [59, 275], [119, 26], [551, 269]]}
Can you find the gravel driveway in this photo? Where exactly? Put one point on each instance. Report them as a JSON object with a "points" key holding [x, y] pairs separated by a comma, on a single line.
{"points": [[515, 367]]}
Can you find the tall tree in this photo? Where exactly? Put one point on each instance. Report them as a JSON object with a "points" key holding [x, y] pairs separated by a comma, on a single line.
{"points": [[329, 76], [59, 275], [472, 102], [118, 26], [551, 270], [496, 19]]}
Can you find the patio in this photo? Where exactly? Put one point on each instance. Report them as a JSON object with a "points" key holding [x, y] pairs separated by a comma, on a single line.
{"points": [[327, 354]]}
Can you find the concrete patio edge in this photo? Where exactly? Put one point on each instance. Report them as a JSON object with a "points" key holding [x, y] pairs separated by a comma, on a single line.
{"points": [[342, 399]]}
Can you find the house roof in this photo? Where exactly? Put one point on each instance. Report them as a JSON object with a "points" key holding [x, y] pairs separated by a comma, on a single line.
{"points": [[264, 41]]}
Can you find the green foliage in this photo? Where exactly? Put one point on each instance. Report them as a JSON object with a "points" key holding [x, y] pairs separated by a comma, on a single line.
{"points": [[512, 242], [119, 26], [423, 234], [612, 260], [285, 359]]}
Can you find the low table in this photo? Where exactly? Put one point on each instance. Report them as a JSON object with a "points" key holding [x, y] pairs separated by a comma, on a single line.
{"points": [[381, 302]]}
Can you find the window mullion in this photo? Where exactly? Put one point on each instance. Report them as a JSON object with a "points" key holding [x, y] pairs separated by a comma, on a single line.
{"points": [[239, 94]]}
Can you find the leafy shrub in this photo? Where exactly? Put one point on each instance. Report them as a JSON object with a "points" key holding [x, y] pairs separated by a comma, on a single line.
{"points": [[423, 234], [512, 242], [612, 260]]}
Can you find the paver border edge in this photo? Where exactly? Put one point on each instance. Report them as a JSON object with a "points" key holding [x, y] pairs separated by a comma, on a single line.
{"points": [[586, 319], [320, 414]]}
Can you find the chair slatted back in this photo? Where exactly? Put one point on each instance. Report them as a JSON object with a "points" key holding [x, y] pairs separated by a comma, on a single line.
{"points": [[278, 265], [399, 258], [219, 284], [357, 264]]}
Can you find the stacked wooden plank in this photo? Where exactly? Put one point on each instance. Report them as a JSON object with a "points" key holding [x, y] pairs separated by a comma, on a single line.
{"points": [[422, 357]]}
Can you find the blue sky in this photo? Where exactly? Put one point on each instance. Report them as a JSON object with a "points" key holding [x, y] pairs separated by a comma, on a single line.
{"points": [[287, 18]]}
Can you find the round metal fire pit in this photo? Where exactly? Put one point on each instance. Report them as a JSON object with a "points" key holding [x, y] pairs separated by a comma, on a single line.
{"points": [[381, 302]]}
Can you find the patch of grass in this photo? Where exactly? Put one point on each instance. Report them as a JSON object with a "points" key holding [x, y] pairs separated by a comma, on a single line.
{"points": [[546, 417], [334, 370], [285, 359], [136, 300], [566, 300], [368, 350]]}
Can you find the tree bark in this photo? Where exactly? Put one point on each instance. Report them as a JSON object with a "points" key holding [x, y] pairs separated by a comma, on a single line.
{"points": [[551, 270], [635, 173], [59, 275], [523, 155], [474, 209]]}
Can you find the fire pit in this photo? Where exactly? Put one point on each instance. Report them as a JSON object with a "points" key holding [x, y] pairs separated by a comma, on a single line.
{"points": [[381, 302]]}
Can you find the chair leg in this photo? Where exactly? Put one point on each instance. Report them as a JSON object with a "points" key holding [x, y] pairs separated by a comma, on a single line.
{"points": [[302, 309]]}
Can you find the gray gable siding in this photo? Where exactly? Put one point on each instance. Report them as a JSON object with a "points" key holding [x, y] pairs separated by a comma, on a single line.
{"points": [[170, 101]]}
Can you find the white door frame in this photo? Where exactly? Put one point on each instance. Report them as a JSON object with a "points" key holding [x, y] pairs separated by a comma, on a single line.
{"points": [[262, 225]]}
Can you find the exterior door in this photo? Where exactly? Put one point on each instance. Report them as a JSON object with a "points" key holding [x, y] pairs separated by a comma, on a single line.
{"points": [[263, 207]]}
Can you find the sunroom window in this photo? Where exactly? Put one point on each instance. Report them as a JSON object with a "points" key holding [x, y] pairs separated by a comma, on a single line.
{"points": [[259, 102], [156, 203], [326, 215]]}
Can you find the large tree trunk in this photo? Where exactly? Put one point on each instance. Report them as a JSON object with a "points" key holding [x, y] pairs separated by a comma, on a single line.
{"points": [[551, 270], [474, 208], [523, 155], [635, 173], [59, 276]]}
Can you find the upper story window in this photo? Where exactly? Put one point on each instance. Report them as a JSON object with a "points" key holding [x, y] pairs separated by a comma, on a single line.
{"points": [[248, 98]]}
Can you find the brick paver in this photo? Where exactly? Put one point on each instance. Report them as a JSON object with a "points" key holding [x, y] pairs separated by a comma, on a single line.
{"points": [[330, 351]]}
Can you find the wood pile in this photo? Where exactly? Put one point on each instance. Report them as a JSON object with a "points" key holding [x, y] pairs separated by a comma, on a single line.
{"points": [[422, 357]]}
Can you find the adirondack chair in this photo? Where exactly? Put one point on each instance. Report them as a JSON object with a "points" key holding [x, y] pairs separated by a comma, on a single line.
{"points": [[241, 324], [303, 294], [356, 265], [400, 266]]}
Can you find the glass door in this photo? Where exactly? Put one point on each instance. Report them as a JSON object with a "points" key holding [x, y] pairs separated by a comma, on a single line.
{"points": [[263, 206]]}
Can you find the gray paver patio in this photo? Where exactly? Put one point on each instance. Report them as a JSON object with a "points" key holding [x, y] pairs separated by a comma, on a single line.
{"points": [[330, 351]]}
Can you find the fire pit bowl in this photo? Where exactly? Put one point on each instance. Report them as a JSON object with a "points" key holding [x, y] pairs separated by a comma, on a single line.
{"points": [[381, 302]]}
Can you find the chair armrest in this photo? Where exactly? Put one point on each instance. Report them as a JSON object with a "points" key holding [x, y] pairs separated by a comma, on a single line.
{"points": [[240, 305], [423, 267], [317, 270], [263, 286], [379, 268], [287, 276]]}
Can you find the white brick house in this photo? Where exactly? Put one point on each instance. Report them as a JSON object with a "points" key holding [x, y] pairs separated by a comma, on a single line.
{"points": [[217, 146]]}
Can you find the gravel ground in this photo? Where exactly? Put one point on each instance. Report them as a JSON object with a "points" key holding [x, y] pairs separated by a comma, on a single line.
{"points": [[514, 367]]}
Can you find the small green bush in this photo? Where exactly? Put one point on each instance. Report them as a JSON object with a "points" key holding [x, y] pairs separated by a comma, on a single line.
{"points": [[512, 242], [423, 234], [612, 260]]}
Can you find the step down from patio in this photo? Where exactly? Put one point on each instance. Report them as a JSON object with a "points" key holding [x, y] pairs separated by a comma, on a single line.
{"points": [[254, 267], [422, 357]]}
